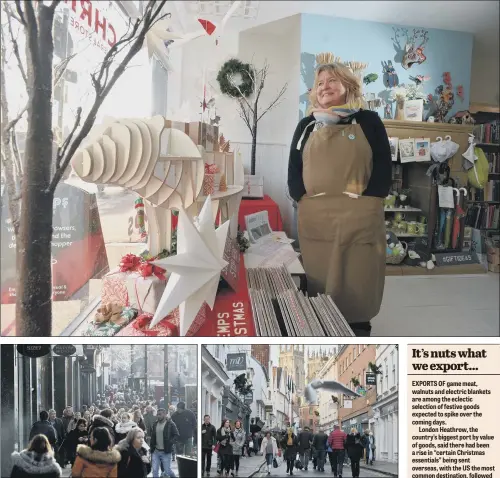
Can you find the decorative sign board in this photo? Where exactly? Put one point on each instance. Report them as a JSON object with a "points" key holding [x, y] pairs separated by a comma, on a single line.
{"points": [[65, 350], [87, 369], [236, 362], [33, 351], [371, 378], [456, 258], [248, 399]]}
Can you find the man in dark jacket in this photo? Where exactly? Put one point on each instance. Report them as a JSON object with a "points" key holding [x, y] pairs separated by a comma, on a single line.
{"points": [[185, 420], [305, 439], [149, 421], [320, 444], [104, 420], [164, 436], [43, 427], [58, 426], [208, 440]]}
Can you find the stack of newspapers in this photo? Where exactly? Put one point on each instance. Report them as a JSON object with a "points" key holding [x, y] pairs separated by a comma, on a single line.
{"points": [[281, 310]]}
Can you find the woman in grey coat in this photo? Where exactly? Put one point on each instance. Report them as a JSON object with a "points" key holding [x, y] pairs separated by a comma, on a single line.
{"points": [[238, 443]]}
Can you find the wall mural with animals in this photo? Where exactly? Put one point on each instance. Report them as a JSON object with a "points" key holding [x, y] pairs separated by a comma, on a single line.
{"points": [[400, 63]]}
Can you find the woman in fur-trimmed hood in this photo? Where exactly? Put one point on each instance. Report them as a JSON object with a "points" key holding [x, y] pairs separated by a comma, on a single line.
{"points": [[36, 461], [135, 462], [124, 426], [98, 460]]}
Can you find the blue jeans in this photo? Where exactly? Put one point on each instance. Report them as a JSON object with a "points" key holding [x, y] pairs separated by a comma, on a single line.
{"points": [[166, 460]]}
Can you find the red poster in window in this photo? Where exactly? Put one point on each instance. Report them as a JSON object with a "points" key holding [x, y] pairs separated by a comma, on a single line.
{"points": [[232, 314]]}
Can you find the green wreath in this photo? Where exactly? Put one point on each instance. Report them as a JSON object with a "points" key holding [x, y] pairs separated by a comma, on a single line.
{"points": [[233, 67]]}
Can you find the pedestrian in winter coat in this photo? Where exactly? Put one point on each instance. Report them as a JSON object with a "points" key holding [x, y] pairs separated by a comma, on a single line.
{"points": [[58, 426], [103, 421], [43, 427], [320, 443], [185, 421], [135, 462], [98, 460], [36, 461], [336, 443], [68, 419], [124, 426], [78, 436], [355, 445], [208, 441], [238, 442], [138, 419], [305, 440], [269, 449], [369, 447], [290, 444], [224, 437], [163, 439]]}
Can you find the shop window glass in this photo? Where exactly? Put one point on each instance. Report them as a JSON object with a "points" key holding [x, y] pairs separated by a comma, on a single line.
{"points": [[102, 217]]}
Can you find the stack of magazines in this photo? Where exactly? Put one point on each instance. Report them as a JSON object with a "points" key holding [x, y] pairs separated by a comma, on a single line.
{"points": [[281, 310]]}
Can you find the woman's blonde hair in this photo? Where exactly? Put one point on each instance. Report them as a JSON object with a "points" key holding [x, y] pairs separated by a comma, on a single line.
{"points": [[354, 431], [342, 73]]}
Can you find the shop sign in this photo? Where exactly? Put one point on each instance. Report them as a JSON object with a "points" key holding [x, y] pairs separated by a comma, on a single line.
{"points": [[89, 347], [64, 349], [456, 258], [90, 22], [248, 399], [33, 351], [371, 378], [87, 369], [236, 362], [347, 403]]}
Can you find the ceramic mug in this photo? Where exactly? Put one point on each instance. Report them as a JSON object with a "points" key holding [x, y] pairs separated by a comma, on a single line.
{"points": [[399, 216], [422, 219], [422, 228], [413, 228], [401, 226]]}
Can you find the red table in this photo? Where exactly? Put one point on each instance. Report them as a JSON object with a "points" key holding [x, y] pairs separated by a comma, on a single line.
{"points": [[250, 206]]}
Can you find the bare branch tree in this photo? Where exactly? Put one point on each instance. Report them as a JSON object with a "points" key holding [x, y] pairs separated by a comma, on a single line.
{"points": [[248, 109], [33, 218]]}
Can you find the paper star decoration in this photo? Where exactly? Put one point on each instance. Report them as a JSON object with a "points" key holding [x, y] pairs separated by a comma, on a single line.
{"points": [[195, 270]]}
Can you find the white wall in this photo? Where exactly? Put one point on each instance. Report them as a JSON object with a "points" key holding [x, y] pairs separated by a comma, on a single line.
{"points": [[278, 43]]}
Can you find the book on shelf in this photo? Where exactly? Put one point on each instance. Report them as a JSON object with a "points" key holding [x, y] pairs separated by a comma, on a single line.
{"points": [[483, 216], [488, 133], [494, 162]]}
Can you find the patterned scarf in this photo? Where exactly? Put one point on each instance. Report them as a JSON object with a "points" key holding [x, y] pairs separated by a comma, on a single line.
{"points": [[341, 112]]}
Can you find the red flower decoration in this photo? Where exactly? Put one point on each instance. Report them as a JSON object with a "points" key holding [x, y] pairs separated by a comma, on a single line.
{"points": [[130, 262], [147, 269]]}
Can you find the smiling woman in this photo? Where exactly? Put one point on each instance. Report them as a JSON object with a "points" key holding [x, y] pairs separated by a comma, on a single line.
{"points": [[339, 171]]}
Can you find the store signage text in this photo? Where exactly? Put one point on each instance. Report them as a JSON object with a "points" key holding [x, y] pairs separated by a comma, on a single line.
{"points": [[89, 21], [64, 349], [33, 351], [371, 378], [456, 258], [238, 322], [235, 362]]}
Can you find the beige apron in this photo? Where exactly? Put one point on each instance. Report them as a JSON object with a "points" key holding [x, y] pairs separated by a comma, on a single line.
{"points": [[342, 239]]}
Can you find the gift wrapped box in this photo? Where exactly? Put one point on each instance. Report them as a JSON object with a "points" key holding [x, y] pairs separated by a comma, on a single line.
{"points": [[114, 288], [168, 327], [253, 187], [144, 293], [111, 327], [208, 184]]}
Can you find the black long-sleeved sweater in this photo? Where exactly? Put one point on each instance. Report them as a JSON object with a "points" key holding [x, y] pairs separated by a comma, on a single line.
{"points": [[374, 130]]}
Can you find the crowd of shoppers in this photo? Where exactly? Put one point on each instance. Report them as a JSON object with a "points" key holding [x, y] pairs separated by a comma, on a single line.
{"points": [[121, 435]]}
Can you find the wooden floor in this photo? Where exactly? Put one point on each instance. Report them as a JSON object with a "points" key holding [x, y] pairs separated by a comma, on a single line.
{"points": [[404, 270]]}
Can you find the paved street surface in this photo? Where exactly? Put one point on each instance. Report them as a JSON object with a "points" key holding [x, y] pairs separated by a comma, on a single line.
{"points": [[281, 472], [248, 466], [67, 471]]}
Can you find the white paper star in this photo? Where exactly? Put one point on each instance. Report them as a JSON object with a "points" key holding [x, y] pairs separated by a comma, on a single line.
{"points": [[195, 270]]}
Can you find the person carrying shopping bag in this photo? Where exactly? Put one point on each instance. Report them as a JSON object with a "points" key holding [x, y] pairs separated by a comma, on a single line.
{"points": [[269, 449], [290, 443], [224, 437]]}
